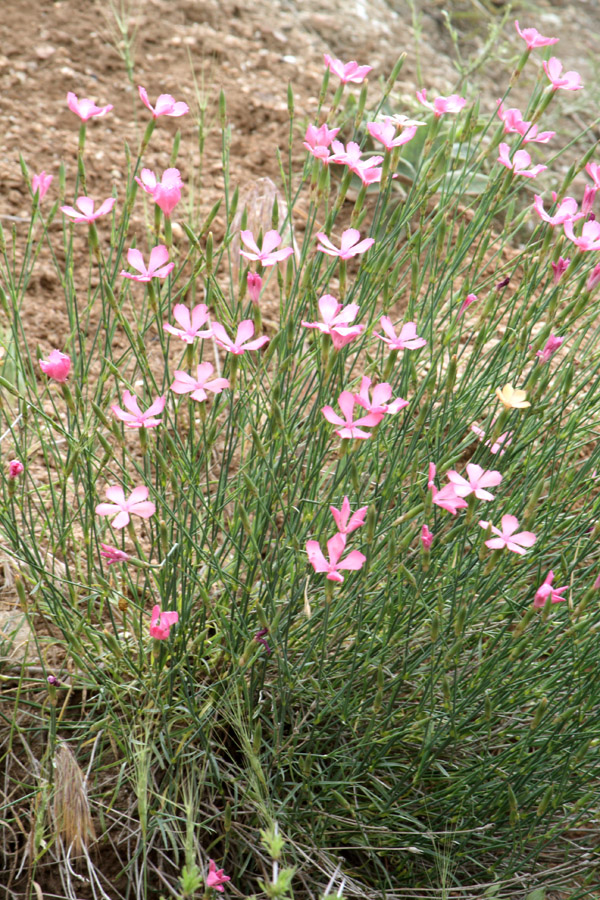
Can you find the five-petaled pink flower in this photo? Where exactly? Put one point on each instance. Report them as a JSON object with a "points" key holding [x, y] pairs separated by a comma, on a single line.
{"points": [[589, 239], [441, 105], [446, 498], [476, 483], [515, 123], [137, 505], [426, 537], [113, 554], [559, 268], [351, 244], [336, 321], [215, 877], [85, 209], [190, 323], [349, 428], [567, 210], [546, 591], [198, 386], [346, 72], [158, 264], [533, 38], [318, 140], [519, 162], [242, 340], [385, 133], [351, 155], [85, 108], [508, 536], [406, 340], [165, 105], [593, 170], [266, 255], [255, 284], [40, 184], [57, 366], [378, 401], [166, 193], [504, 441], [15, 468], [567, 81], [335, 547], [550, 347], [160, 623], [347, 521], [134, 417]]}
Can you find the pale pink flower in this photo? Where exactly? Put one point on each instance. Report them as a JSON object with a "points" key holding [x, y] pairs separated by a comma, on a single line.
{"points": [[166, 193], [85, 209], [470, 298], [567, 210], [385, 133], [546, 591], [519, 162], [85, 108], [133, 415], [266, 255], [559, 268], [349, 428], [533, 38], [318, 140], [567, 81], [137, 505], [198, 386], [441, 105], [165, 105], [158, 264], [426, 537], [335, 547], [255, 284], [550, 347], [57, 366], [242, 340], [351, 244], [508, 536], [113, 554], [190, 323], [515, 123], [215, 877], [160, 624], [406, 340], [504, 441], [40, 184], [347, 72], [593, 170], [477, 481], [447, 498], [589, 195], [336, 321], [15, 468], [378, 402], [589, 239], [347, 521], [593, 278], [351, 156]]}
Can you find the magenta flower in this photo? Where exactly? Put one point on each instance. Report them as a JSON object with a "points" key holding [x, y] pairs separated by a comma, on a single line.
{"points": [[137, 505], [385, 133], [15, 468], [40, 184], [567, 210], [85, 209], [378, 403], [255, 284], [160, 624], [190, 323], [568, 81], [113, 554], [267, 255], [85, 108], [215, 877], [515, 123], [318, 140], [242, 341], [426, 537], [593, 170], [470, 298], [57, 366], [347, 72], [406, 340], [336, 321], [198, 386], [166, 193], [476, 483], [165, 105], [441, 105], [589, 239], [351, 245], [335, 547], [134, 417], [347, 521], [158, 264], [559, 268], [533, 38], [550, 347], [504, 441], [447, 498], [349, 428], [519, 162], [508, 536], [593, 278], [546, 591]]}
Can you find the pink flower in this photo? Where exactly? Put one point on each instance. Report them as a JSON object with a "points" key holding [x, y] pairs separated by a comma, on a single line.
{"points": [[113, 554], [166, 193], [242, 343], [190, 324], [385, 133], [515, 123], [335, 547], [267, 255], [349, 427], [550, 348], [567, 210], [546, 591], [57, 366], [336, 321], [569, 81], [378, 403], [447, 498], [441, 105], [593, 278], [158, 264], [533, 38], [85, 108], [504, 441], [318, 140], [198, 386], [518, 543], [470, 298], [426, 537], [593, 170], [215, 877], [85, 209], [15, 468], [137, 505], [165, 105], [477, 481], [589, 195], [519, 162], [135, 418], [406, 340], [255, 284], [346, 521], [160, 625], [40, 184], [351, 156], [346, 72], [559, 268], [351, 244], [589, 238]]}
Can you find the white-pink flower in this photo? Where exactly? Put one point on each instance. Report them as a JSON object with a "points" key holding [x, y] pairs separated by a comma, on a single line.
{"points": [[504, 441], [190, 323], [446, 498], [518, 164], [351, 245], [198, 386], [347, 72], [593, 170], [158, 264], [336, 321], [165, 105], [379, 400], [349, 427], [166, 193], [567, 81], [137, 505], [589, 239], [85, 108], [442, 105], [335, 547], [265, 255], [406, 340], [508, 537], [242, 340], [85, 209], [351, 155], [385, 133], [567, 210], [133, 415], [475, 483], [40, 184]]}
